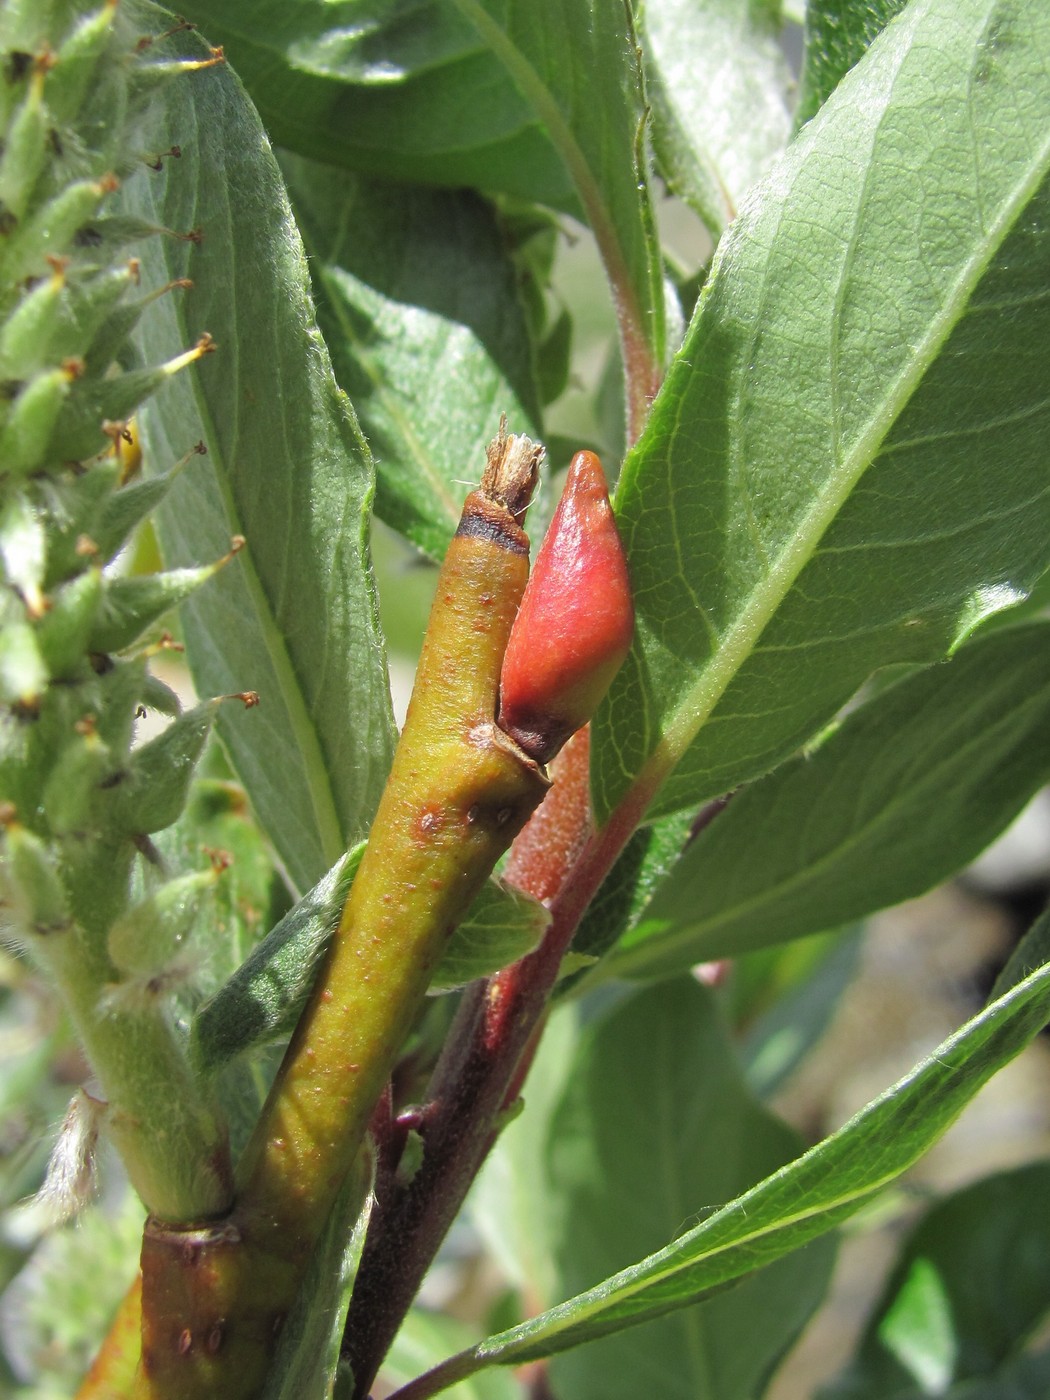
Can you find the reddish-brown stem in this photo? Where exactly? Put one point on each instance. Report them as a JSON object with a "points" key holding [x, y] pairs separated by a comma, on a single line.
{"points": [[475, 1081]]}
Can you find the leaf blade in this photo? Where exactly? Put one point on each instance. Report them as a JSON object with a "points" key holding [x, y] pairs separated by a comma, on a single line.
{"points": [[295, 618], [756, 621], [809, 1196], [910, 787]]}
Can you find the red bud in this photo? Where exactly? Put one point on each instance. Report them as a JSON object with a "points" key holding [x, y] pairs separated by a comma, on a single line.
{"points": [[575, 622]]}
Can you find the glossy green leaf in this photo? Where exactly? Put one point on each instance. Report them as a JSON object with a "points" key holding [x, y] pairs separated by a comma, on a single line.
{"points": [[838, 34], [801, 1201], [846, 466], [910, 787], [719, 85], [403, 89], [655, 1111], [263, 999], [292, 618], [420, 307], [971, 1284]]}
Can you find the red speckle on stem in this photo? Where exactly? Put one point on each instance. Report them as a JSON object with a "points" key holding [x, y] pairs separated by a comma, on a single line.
{"points": [[575, 623]]}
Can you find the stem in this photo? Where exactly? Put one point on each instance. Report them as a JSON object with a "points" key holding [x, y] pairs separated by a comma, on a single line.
{"points": [[477, 1077], [459, 791]]}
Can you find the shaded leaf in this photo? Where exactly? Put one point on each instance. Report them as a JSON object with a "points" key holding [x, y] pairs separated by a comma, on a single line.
{"points": [[838, 33], [403, 89], [656, 1112], [846, 468], [801, 1201], [576, 64], [293, 618], [420, 307], [909, 788], [782, 1037], [718, 82], [972, 1282]]}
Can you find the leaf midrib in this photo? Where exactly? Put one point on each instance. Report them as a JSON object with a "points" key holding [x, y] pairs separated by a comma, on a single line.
{"points": [[646, 949], [758, 609]]}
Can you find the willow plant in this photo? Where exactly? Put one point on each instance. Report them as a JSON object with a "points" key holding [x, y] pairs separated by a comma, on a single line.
{"points": [[274, 269]]}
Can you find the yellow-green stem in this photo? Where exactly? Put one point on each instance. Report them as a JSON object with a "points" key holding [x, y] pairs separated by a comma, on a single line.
{"points": [[458, 793]]}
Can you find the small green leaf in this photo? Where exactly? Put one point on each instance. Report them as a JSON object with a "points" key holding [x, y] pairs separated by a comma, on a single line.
{"points": [[971, 1284], [846, 470], [502, 926], [801, 1201], [719, 84], [909, 788]]}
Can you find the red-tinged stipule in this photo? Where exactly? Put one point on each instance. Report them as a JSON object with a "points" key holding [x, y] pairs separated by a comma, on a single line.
{"points": [[575, 623]]}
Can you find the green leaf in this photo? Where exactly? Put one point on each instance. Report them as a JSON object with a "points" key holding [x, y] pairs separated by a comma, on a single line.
{"points": [[838, 33], [971, 1284], [846, 466], [263, 999], [794, 1205], [909, 788], [719, 83], [503, 925], [576, 63], [656, 1112], [420, 307], [294, 617], [307, 1354], [784, 1034], [403, 89]]}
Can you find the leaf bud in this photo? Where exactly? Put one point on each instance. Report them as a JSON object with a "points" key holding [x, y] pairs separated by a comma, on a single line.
{"points": [[575, 623]]}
